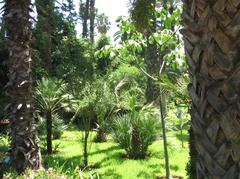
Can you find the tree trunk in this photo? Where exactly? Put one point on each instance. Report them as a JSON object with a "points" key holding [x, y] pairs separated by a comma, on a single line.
{"points": [[191, 166], [45, 14], [101, 135], [136, 143], [25, 143], [153, 65], [211, 36], [85, 150], [92, 20], [167, 165], [85, 20], [49, 132]]}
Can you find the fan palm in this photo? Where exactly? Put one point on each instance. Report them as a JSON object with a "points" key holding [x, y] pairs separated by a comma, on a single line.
{"points": [[50, 97]]}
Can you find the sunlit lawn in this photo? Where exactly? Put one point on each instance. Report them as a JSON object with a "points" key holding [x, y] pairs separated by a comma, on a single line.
{"points": [[110, 162]]}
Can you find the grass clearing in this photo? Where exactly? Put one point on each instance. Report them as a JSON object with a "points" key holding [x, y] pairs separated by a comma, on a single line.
{"points": [[109, 159]]}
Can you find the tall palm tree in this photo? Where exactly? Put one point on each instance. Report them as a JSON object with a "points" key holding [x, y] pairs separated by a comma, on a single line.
{"points": [[85, 16], [25, 143], [92, 20], [45, 10], [211, 34]]}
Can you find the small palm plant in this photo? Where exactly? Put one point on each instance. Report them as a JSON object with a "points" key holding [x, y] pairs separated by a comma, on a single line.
{"points": [[50, 97]]}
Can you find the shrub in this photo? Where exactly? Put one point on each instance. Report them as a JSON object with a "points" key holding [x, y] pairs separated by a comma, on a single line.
{"points": [[122, 131], [57, 128], [51, 97], [135, 135]]}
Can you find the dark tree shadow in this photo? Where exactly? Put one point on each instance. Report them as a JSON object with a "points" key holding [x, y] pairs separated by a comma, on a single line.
{"points": [[111, 173]]}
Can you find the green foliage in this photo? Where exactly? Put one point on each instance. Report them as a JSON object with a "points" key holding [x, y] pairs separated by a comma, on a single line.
{"points": [[102, 23], [146, 123], [39, 174], [107, 158], [142, 12], [58, 126], [50, 95], [103, 54]]}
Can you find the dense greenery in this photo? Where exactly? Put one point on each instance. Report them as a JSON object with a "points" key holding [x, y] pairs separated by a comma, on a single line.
{"points": [[93, 112]]}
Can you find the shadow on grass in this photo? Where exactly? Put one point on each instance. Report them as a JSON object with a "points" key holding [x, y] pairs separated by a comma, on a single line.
{"points": [[107, 150], [69, 164], [185, 137], [111, 173], [143, 174]]}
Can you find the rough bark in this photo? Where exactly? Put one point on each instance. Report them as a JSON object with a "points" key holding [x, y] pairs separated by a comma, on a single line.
{"points": [[25, 143], [92, 20], [191, 166], [136, 143], [49, 132], [211, 35]]}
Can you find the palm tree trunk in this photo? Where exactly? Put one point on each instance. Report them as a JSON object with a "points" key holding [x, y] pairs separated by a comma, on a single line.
{"points": [[49, 132], [153, 64], [211, 35], [92, 20], [45, 14], [85, 20], [25, 143], [135, 143], [101, 135]]}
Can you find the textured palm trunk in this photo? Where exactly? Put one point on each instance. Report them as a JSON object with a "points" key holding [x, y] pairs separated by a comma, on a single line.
{"points": [[49, 132], [191, 166], [25, 143], [45, 14], [136, 143], [211, 35]]}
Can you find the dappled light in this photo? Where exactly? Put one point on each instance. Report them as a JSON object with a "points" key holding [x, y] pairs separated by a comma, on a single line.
{"points": [[130, 89]]}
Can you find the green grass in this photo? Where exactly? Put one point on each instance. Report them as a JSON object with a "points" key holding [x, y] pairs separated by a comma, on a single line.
{"points": [[110, 162]]}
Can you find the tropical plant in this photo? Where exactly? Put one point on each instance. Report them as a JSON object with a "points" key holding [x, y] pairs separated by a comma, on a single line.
{"points": [[83, 107], [135, 132], [25, 143], [58, 126], [50, 96], [104, 108]]}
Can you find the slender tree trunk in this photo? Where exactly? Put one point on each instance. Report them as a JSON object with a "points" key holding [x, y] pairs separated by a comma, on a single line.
{"points": [[167, 165], [181, 133], [92, 20], [85, 20], [85, 150], [25, 142], [211, 35], [49, 132]]}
